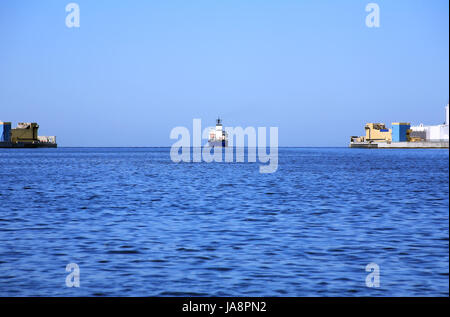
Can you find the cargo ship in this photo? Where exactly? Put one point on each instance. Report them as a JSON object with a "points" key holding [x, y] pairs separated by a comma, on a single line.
{"points": [[25, 135], [403, 135], [218, 136]]}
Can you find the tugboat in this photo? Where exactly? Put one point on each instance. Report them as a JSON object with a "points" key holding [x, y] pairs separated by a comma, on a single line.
{"points": [[218, 136]]}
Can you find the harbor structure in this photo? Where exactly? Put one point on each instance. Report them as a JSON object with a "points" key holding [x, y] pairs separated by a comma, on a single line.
{"points": [[5, 132], [433, 133], [378, 132], [400, 131], [25, 135], [403, 135]]}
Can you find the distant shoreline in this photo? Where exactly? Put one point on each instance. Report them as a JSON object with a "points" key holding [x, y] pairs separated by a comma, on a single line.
{"points": [[168, 147]]}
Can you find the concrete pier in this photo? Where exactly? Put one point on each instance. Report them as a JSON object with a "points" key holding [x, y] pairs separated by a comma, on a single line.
{"points": [[401, 145]]}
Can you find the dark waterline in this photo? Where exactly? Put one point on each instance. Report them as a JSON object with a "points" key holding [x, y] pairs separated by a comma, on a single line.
{"points": [[138, 224]]}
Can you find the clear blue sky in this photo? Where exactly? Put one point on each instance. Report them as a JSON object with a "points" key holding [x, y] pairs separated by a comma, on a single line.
{"points": [[136, 69]]}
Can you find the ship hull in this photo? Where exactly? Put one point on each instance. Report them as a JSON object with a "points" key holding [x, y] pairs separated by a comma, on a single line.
{"points": [[223, 143]]}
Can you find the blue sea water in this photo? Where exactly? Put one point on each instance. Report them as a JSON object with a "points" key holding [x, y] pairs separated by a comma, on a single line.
{"points": [[138, 224]]}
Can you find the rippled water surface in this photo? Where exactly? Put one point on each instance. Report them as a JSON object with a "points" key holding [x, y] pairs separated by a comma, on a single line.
{"points": [[139, 225]]}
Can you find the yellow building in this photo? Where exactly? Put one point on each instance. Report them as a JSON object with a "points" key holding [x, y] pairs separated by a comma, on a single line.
{"points": [[377, 132]]}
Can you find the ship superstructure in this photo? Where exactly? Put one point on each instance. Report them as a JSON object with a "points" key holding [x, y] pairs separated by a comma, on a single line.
{"points": [[218, 136]]}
